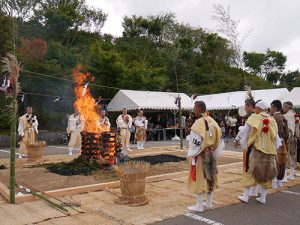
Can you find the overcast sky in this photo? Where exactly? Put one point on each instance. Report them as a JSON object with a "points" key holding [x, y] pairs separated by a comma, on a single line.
{"points": [[275, 24]]}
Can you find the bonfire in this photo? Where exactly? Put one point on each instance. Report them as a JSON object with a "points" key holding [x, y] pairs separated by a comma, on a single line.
{"points": [[98, 142]]}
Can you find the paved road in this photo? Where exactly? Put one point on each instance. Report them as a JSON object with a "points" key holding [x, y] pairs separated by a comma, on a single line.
{"points": [[62, 149], [281, 209]]}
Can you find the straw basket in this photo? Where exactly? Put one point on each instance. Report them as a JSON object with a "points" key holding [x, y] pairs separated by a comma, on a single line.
{"points": [[132, 182], [34, 150]]}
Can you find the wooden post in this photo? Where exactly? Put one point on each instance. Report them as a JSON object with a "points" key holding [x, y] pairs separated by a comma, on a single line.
{"points": [[178, 102]]}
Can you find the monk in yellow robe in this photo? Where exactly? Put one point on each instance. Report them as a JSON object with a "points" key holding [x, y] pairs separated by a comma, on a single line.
{"points": [[27, 129], [204, 142], [261, 132], [247, 150]]}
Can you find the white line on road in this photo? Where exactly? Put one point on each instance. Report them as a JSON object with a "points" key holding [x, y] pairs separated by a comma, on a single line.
{"points": [[7, 152], [57, 147], [202, 219], [291, 192]]}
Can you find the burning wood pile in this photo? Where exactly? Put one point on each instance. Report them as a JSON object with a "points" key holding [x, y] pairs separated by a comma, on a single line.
{"points": [[98, 143], [100, 146]]}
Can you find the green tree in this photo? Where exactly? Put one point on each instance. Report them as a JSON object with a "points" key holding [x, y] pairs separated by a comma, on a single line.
{"points": [[62, 19], [291, 79], [265, 65], [6, 38]]}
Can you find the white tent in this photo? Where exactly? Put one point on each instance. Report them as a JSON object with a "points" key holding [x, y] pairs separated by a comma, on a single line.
{"points": [[133, 100], [230, 100], [294, 97]]}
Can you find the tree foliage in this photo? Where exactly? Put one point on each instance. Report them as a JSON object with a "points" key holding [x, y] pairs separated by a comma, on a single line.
{"points": [[155, 52], [269, 65]]}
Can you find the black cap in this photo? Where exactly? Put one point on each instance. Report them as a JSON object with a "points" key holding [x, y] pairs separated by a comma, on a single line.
{"points": [[277, 104]]}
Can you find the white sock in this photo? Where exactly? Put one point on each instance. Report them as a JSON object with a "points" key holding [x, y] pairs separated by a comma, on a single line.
{"points": [[259, 189], [253, 191], [279, 183], [291, 175], [262, 198], [245, 196], [142, 145], [70, 151], [284, 180], [199, 206], [209, 201], [274, 183]]}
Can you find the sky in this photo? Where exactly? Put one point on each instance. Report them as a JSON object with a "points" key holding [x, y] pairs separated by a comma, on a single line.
{"points": [[274, 24]]}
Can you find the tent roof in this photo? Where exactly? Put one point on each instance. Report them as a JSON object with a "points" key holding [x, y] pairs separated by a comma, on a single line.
{"points": [[133, 100], [293, 96], [230, 100]]}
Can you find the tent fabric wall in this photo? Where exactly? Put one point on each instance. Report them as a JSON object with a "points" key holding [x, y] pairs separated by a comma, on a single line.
{"points": [[133, 100], [293, 96], [236, 99], [152, 100]]}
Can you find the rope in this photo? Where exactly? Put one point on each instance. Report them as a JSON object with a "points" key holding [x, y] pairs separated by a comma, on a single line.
{"points": [[68, 80], [46, 95]]}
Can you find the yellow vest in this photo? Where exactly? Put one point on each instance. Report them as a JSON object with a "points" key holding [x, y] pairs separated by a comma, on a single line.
{"points": [[209, 138], [262, 141]]}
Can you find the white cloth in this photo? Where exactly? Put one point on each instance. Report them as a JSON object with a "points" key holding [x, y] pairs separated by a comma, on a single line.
{"points": [[242, 136], [219, 149], [290, 117], [140, 121], [122, 124], [34, 125], [263, 105], [105, 121], [195, 141], [244, 133], [75, 123]]}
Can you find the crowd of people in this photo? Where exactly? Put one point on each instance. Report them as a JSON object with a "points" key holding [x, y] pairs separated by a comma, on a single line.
{"points": [[126, 125], [269, 139]]}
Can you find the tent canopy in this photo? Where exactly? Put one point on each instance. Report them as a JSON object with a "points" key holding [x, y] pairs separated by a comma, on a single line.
{"points": [[133, 100], [236, 99], [294, 97]]}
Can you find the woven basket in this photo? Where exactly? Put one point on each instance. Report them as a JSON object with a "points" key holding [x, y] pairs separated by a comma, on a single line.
{"points": [[132, 183], [34, 150]]}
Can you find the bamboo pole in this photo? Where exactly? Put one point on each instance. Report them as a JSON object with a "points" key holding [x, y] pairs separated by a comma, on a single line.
{"points": [[13, 153], [12, 67], [13, 139]]}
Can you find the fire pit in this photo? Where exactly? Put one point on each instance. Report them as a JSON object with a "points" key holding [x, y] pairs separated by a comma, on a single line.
{"points": [[100, 146]]}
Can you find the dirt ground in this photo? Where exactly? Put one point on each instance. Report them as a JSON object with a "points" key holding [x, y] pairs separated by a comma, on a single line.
{"points": [[43, 180]]}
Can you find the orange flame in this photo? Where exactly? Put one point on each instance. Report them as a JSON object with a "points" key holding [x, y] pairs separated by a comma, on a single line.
{"points": [[85, 103]]}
